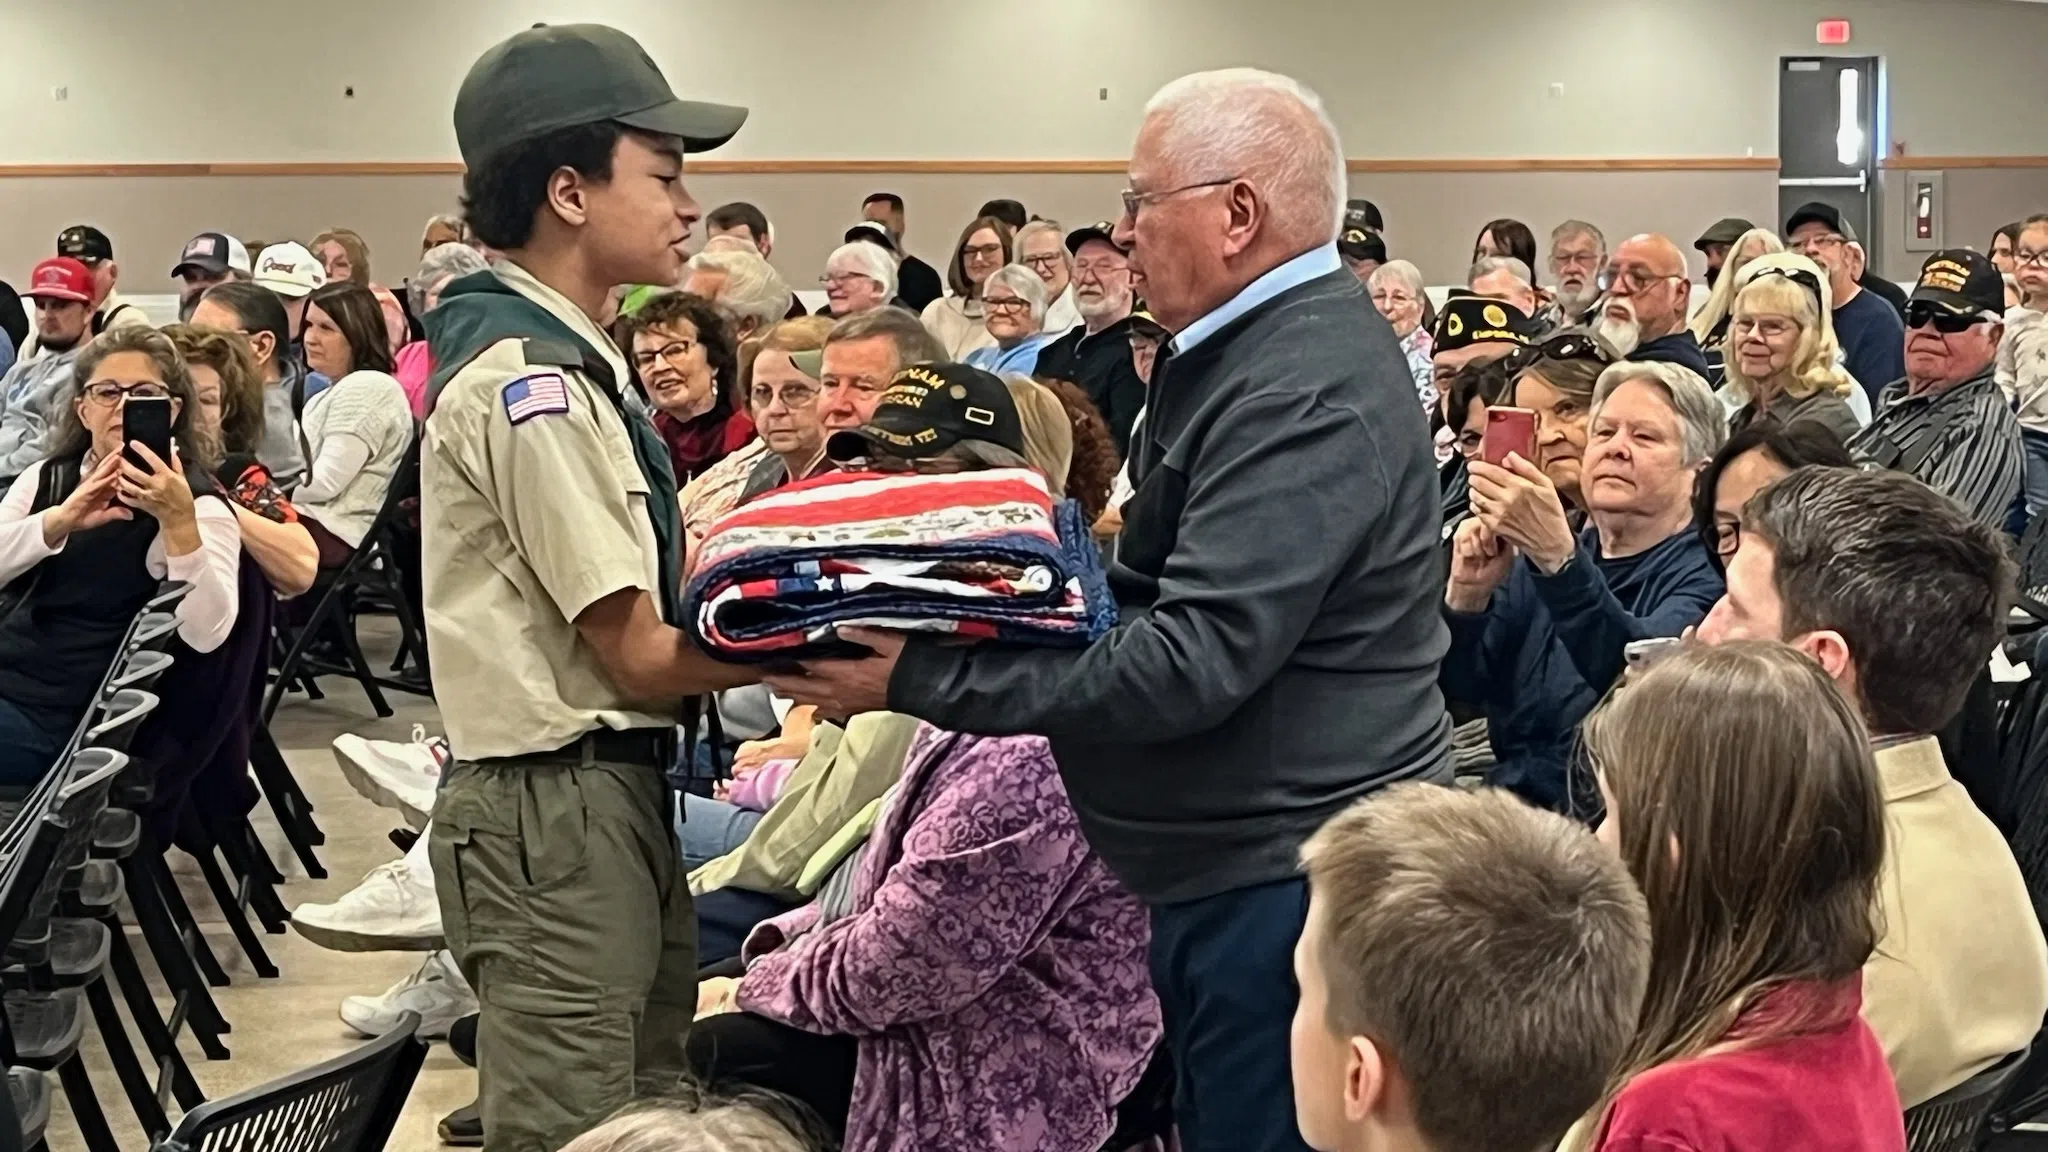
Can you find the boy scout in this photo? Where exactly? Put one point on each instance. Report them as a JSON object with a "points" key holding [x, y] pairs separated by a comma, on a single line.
{"points": [[551, 560]]}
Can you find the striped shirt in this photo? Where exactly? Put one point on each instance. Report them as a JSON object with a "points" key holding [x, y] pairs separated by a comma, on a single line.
{"points": [[1975, 458]]}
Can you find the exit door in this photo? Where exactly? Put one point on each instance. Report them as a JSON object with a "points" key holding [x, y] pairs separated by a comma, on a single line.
{"points": [[1828, 139]]}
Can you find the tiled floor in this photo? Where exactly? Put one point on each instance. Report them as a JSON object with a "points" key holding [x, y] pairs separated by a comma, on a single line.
{"points": [[287, 1023]]}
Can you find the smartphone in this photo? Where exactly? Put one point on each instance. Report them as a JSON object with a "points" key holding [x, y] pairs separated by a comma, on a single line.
{"points": [[1643, 653], [1508, 430], [147, 420]]}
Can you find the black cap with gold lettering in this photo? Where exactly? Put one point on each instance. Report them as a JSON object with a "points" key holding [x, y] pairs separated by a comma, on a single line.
{"points": [[1960, 282], [927, 409], [1465, 320]]}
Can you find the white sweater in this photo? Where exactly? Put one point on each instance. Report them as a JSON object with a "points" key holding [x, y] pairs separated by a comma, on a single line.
{"points": [[358, 429], [958, 324]]}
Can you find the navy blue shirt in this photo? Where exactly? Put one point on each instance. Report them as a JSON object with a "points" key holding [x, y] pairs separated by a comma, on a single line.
{"points": [[1873, 341], [1680, 348]]}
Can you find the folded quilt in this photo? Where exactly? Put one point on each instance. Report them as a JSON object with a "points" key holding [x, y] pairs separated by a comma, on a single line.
{"points": [[985, 554]]}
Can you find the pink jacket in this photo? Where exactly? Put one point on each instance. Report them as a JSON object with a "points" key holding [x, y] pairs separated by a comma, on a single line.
{"points": [[415, 364]]}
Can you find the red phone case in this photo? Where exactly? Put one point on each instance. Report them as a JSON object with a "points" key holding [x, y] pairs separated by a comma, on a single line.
{"points": [[1508, 430]]}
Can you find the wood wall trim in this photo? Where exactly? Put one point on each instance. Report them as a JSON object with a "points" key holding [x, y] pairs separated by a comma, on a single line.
{"points": [[1564, 164], [1929, 163]]}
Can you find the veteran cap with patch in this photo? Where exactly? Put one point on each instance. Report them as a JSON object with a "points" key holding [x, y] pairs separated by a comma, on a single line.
{"points": [[1103, 230], [929, 408], [1465, 320], [555, 76], [1960, 282]]}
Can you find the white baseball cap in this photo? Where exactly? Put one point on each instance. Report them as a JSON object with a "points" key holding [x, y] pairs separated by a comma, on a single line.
{"points": [[288, 269]]}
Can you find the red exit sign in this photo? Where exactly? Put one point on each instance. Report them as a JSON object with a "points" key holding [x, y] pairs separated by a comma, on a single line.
{"points": [[1831, 32]]}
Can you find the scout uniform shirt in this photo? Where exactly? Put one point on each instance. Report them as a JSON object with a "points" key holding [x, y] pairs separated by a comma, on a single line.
{"points": [[532, 508]]}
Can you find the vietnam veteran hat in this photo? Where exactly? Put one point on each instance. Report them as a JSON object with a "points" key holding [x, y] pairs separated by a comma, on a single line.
{"points": [[1103, 230], [927, 409], [1465, 320], [1960, 282]]}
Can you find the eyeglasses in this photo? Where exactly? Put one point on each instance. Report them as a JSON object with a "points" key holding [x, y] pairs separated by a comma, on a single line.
{"points": [[1769, 327], [1727, 538], [982, 252], [674, 353], [2028, 259], [1134, 199], [1945, 322], [1574, 259], [1636, 276], [1100, 269], [1043, 263], [1812, 244], [1006, 304], [1570, 346], [838, 279], [793, 396], [1389, 299], [106, 393]]}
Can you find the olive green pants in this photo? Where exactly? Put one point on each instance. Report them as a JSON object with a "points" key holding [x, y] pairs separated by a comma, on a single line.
{"points": [[565, 904]]}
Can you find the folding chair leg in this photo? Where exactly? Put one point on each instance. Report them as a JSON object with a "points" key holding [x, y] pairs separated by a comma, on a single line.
{"points": [[287, 802], [192, 999], [250, 870], [361, 666], [156, 1035], [187, 924], [121, 1054], [238, 920], [85, 1107]]}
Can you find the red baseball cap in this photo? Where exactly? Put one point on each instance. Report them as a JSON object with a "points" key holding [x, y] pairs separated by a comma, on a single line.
{"points": [[62, 278]]}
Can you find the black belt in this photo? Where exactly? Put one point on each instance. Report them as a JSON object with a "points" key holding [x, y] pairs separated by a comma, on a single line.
{"points": [[654, 747]]}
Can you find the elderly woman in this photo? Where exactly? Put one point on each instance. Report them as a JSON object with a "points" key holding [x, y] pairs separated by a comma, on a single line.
{"points": [[956, 320], [1541, 615], [859, 277], [1397, 291], [1014, 303], [1710, 324], [1782, 358], [87, 537], [1042, 247], [741, 283], [685, 362], [414, 362]]}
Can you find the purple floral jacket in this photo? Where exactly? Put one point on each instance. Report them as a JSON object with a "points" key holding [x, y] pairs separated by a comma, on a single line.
{"points": [[992, 970]]}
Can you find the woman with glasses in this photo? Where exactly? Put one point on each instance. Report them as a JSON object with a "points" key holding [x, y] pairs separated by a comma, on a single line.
{"points": [[1013, 303], [859, 277], [1042, 247], [86, 538], [358, 428], [956, 320], [1541, 615], [684, 360], [1758, 455], [1396, 290], [1782, 360]]}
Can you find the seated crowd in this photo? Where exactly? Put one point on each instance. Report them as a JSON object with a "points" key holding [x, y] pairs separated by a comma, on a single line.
{"points": [[1704, 630]]}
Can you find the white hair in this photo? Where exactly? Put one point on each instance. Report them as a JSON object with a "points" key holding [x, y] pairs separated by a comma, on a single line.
{"points": [[753, 288], [1242, 123], [1400, 273], [1702, 420], [1025, 283], [1051, 227], [440, 264], [1571, 228], [1488, 265], [865, 259]]}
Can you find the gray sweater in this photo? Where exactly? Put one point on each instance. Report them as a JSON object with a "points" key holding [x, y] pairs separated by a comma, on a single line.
{"points": [[1281, 601], [29, 394]]}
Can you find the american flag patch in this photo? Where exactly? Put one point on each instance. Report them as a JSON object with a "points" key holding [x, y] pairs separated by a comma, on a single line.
{"points": [[541, 394]]}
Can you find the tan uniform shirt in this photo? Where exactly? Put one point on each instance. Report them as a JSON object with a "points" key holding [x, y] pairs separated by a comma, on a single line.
{"points": [[529, 514]]}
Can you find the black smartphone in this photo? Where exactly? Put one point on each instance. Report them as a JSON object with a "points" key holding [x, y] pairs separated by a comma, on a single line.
{"points": [[147, 420]]}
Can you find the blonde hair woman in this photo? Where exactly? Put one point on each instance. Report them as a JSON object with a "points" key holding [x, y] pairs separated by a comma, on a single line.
{"points": [[1710, 323], [1783, 361]]}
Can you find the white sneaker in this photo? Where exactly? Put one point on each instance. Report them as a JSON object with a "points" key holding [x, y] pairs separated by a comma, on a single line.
{"points": [[400, 776], [392, 910], [437, 992]]}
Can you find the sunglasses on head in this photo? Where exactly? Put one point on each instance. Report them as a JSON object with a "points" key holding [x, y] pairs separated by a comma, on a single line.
{"points": [[1799, 276], [1568, 346], [1945, 322]]}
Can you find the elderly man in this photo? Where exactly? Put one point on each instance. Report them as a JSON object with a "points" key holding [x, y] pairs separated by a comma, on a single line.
{"points": [[1473, 329], [1505, 278], [1276, 573], [1947, 422], [1867, 327], [1716, 242], [1359, 242], [916, 281], [1901, 598], [1648, 295], [1096, 354], [1040, 247], [746, 286], [1578, 251]]}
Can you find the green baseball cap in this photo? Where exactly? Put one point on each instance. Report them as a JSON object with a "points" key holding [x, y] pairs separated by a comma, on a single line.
{"points": [[555, 76]]}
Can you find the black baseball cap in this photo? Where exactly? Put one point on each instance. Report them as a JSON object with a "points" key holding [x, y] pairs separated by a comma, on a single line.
{"points": [[1359, 244], [555, 76], [927, 409], [1726, 230], [1826, 214], [873, 233], [1960, 282], [1363, 215], [1465, 320], [85, 243], [1102, 230]]}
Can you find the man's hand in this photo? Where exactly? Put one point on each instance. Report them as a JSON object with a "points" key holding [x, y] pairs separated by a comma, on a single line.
{"points": [[844, 688]]}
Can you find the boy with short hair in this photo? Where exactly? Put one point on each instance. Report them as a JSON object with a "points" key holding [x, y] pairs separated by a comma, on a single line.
{"points": [[1470, 973]]}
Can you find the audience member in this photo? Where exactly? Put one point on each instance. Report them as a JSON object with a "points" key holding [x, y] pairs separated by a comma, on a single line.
{"points": [[859, 277], [1147, 336], [778, 377], [1900, 599], [1510, 238], [255, 313], [1096, 355], [685, 361], [87, 537], [1041, 247], [358, 428], [1476, 387], [1010, 212], [917, 282], [1397, 291], [1783, 362], [414, 363], [292, 272], [2023, 356], [957, 321], [1647, 298], [444, 228], [1947, 422], [1710, 324], [1364, 214], [1578, 251], [1541, 614], [343, 256], [228, 396], [744, 286], [2005, 244], [13, 318], [1868, 327], [1285, 487], [397, 325], [742, 221], [1741, 795], [1363, 250], [40, 380], [1758, 454], [209, 258], [1014, 299], [90, 247], [1434, 976], [1470, 329], [1721, 241], [1505, 278], [702, 1123]]}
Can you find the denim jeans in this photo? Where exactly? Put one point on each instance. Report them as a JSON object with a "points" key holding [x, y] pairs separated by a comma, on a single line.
{"points": [[708, 829], [27, 751]]}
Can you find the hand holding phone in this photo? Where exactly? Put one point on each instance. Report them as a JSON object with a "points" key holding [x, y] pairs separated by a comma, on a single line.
{"points": [[1508, 430]]}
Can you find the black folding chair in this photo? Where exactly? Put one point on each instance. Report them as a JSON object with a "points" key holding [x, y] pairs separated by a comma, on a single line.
{"points": [[1958, 1120], [348, 1104]]}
